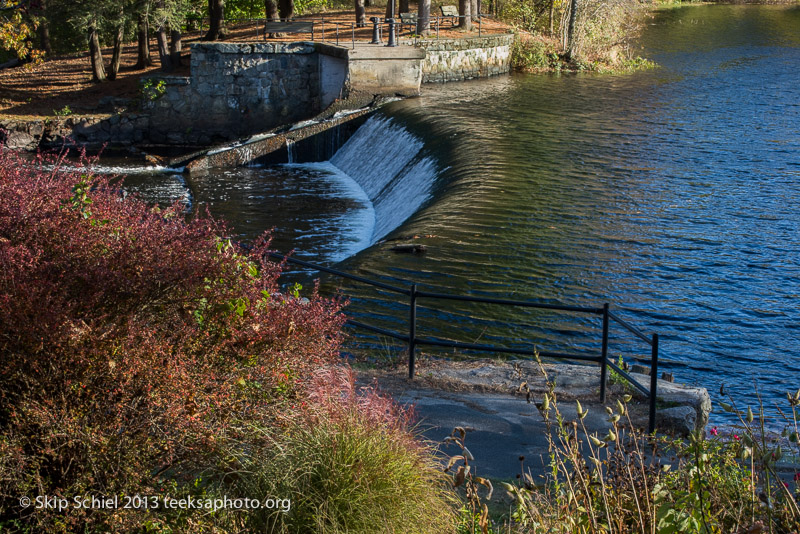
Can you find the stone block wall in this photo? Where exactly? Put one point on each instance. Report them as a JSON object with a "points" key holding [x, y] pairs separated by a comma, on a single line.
{"points": [[236, 89], [451, 60]]}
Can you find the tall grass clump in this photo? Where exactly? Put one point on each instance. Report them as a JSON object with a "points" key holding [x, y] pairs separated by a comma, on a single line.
{"points": [[134, 344], [625, 481], [349, 461]]}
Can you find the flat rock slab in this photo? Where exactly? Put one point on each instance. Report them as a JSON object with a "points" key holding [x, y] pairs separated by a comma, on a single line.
{"points": [[500, 428], [503, 421]]}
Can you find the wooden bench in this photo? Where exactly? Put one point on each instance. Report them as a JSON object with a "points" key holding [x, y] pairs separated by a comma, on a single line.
{"points": [[450, 12], [297, 26], [408, 19]]}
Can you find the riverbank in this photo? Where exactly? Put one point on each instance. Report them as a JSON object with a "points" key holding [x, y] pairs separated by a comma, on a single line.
{"points": [[241, 88], [62, 86]]}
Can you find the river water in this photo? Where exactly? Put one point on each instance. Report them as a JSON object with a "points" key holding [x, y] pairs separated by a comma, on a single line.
{"points": [[673, 194]]}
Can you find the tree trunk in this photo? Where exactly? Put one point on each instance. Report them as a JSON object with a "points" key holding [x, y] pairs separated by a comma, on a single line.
{"points": [[271, 11], [44, 29], [403, 6], [143, 39], [424, 17], [175, 47], [44, 38], [163, 49], [368, 3], [573, 15], [473, 10], [271, 8], [361, 14], [552, 13], [286, 9], [98, 70], [391, 8], [116, 56], [464, 9], [216, 11]]}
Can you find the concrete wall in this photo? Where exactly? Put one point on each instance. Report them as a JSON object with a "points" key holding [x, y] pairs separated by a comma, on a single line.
{"points": [[383, 70], [451, 60], [237, 89]]}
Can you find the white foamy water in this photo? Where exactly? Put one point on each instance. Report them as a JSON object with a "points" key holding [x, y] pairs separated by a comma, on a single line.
{"points": [[352, 230], [386, 161], [325, 211]]}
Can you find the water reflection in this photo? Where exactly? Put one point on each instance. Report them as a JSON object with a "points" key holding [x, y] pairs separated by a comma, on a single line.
{"points": [[672, 193]]}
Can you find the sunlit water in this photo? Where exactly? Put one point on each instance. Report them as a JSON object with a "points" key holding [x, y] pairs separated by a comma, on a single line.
{"points": [[673, 194]]}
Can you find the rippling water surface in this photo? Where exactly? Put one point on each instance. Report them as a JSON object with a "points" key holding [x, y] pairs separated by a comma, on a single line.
{"points": [[674, 194]]}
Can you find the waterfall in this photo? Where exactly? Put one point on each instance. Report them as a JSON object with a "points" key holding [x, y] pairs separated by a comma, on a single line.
{"points": [[386, 161], [290, 151]]}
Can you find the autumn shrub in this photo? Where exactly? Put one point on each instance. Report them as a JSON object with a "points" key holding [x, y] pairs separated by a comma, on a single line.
{"points": [[349, 461], [603, 36], [133, 345], [605, 33], [535, 54]]}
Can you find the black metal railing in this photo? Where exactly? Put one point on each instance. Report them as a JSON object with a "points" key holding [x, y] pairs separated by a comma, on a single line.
{"points": [[413, 340], [336, 31]]}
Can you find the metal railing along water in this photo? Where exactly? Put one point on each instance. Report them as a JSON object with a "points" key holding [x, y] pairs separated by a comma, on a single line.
{"points": [[413, 340]]}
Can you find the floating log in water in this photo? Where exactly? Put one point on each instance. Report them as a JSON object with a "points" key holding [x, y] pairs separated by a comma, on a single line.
{"points": [[409, 248]]}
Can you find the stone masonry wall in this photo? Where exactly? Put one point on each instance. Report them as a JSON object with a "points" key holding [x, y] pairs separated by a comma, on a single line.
{"points": [[451, 60], [236, 89], [118, 129]]}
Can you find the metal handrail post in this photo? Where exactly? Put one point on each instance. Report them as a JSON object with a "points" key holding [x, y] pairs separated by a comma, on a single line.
{"points": [[479, 24], [392, 34], [604, 355], [412, 330], [353, 28], [337, 34], [653, 383], [376, 30]]}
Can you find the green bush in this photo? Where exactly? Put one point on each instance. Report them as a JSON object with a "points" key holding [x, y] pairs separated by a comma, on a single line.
{"points": [[534, 55]]}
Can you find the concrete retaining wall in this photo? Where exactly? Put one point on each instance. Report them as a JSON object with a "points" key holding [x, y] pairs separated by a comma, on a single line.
{"points": [[238, 89], [451, 60]]}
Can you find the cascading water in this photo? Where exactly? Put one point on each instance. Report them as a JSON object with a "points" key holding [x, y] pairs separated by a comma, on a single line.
{"points": [[325, 211], [387, 162]]}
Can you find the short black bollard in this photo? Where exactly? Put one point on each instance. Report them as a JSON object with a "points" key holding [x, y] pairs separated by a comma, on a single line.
{"points": [[376, 30], [391, 33]]}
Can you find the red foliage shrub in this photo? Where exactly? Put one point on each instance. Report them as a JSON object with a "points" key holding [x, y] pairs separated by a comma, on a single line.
{"points": [[132, 341]]}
